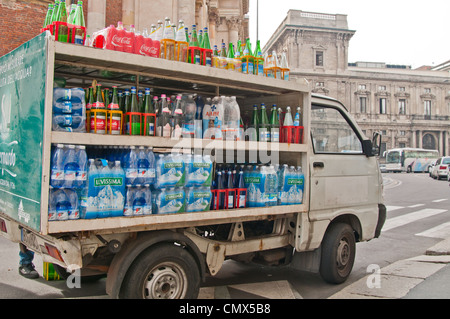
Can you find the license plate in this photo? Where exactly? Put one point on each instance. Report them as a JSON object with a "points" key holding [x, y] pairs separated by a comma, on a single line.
{"points": [[3, 226], [29, 239]]}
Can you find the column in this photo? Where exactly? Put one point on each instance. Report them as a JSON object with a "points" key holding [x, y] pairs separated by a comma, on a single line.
{"points": [[128, 12], [420, 138], [233, 24], [96, 16]]}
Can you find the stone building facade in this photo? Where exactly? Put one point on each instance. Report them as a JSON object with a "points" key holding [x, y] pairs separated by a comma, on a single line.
{"points": [[410, 107]]}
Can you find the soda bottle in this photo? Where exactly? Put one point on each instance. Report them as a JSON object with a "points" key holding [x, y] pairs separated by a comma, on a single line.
{"points": [[189, 113], [114, 119], [98, 113], [223, 62], [148, 122], [274, 125], [284, 67], [247, 58], [215, 57], [200, 37], [63, 31], [177, 119], [70, 166], [73, 8], [81, 173], [57, 170], [126, 108], [80, 22], [264, 126], [134, 118], [259, 60], [231, 190], [241, 195], [55, 12], [288, 117], [253, 128], [219, 200], [297, 117], [167, 41], [166, 118]]}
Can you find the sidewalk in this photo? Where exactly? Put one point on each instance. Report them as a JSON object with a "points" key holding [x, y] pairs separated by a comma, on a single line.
{"points": [[398, 279]]}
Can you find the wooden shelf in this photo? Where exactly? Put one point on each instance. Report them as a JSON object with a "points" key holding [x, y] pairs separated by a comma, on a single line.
{"points": [[171, 221]]}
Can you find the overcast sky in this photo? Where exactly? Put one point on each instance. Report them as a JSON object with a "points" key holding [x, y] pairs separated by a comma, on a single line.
{"points": [[409, 32]]}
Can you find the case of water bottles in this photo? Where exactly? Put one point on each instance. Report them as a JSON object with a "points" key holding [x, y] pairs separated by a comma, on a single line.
{"points": [[69, 110]]}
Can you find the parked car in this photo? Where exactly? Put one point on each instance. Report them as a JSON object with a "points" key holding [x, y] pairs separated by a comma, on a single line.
{"points": [[431, 167], [441, 169]]}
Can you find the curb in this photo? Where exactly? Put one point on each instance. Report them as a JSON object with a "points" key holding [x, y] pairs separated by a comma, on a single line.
{"points": [[396, 280]]}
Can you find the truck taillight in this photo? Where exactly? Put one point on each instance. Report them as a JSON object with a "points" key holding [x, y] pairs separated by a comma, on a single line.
{"points": [[54, 252], [3, 226]]}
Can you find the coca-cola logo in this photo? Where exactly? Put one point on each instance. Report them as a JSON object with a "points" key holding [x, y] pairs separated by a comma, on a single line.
{"points": [[146, 50], [120, 41]]}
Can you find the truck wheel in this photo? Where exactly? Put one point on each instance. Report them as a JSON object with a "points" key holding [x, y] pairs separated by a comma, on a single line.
{"points": [[164, 271], [338, 253]]}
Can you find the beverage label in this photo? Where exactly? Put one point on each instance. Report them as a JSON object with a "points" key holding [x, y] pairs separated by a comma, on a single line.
{"points": [[74, 214], [57, 175], [113, 106], [188, 129], [264, 135], [98, 124], [67, 107], [230, 200], [67, 120], [197, 59], [208, 61], [275, 135], [79, 39], [98, 105], [114, 125]]}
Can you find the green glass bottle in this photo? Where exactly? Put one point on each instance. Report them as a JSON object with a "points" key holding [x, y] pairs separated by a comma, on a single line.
{"points": [[80, 22], [207, 46], [195, 59], [135, 119], [254, 125], [230, 57], [148, 121], [126, 108], [63, 32], [264, 127], [55, 12], [259, 60], [247, 58], [274, 125], [48, 17]]}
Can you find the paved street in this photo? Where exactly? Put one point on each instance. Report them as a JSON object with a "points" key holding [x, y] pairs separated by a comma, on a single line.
{"points": [[418, 220]]}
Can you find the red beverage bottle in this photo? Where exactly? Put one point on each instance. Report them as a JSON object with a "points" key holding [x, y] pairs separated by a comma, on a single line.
{"points": [[138, 44], [117, 37], [110, 33]]}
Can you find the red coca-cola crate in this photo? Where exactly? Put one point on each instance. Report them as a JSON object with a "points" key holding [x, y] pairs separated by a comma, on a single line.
{"points": [[114, 39], [146, 46]]}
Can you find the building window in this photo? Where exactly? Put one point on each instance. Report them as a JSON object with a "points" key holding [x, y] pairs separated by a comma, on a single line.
{"points": [[402, 106], [402, 145], [427, 107], [427, 90], [320, 84], [362, 87], [401, 89], [383, 105], [363, 104], [382, 88], [319, 58]]}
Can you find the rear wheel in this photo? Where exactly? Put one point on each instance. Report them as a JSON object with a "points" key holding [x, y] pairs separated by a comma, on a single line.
{"points": [[165, 271], [338, 253]]}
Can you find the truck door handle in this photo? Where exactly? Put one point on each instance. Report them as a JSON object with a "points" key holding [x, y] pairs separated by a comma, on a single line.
{"points": [[318, 164]]}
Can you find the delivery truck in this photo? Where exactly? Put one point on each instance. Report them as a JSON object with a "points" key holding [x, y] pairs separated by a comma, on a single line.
{"points": [[169, 255]]}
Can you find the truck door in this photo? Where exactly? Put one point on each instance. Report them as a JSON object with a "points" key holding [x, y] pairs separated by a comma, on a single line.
{"points": [[343, 178]]}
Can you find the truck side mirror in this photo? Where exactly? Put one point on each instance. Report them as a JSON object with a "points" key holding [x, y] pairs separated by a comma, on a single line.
{"points": [[376, 143]]}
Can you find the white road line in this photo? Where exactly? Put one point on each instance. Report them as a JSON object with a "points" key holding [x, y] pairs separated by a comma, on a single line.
{"points": [[417, 205], [411, 217], [440, 200], [392, 208], [442, 231]]}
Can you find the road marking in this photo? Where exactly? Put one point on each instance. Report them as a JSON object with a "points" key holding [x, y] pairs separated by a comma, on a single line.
{"points": [[440, 200], [392, 208], [411, 217], [442, 231], [417, 205]]}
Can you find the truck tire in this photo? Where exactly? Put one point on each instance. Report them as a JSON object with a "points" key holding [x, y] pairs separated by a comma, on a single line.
{"points": [[164, 271], [338, 253]]}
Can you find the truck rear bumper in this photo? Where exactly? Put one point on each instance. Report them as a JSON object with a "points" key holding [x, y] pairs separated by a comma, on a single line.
{"points": [[381, 219]]}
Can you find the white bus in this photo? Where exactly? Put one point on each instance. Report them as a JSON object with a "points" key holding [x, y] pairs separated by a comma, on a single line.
{"points": [[409, 160]]}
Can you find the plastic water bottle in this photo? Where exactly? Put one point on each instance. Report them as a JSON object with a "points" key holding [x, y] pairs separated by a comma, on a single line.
{"points": [[70, 166], [62, 205], [143, 166], [231, 118], [92, 200], [151, 173], [282, 185], [129, 199], [138, 201], [271, 186], [118, 190], [241, 195], [105, 193], [301, 185], [189, 113], [57, 174], [293, 186], [147, 210], [130, 165], [81, 174], [52, 215], [198, 122], [212, 119], [74, 212]]}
